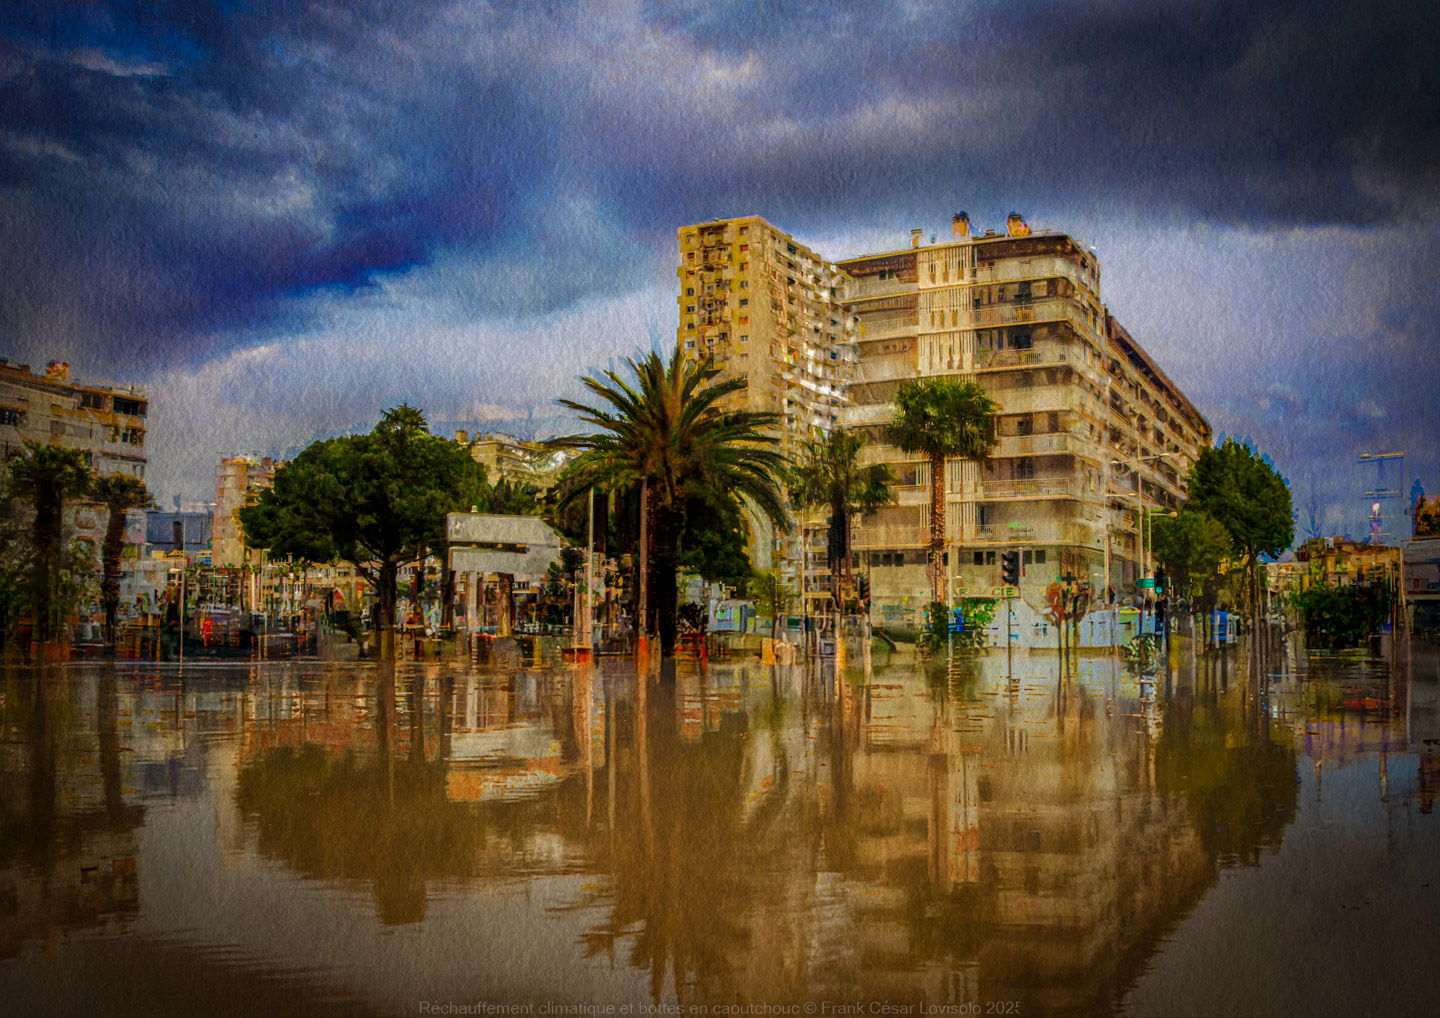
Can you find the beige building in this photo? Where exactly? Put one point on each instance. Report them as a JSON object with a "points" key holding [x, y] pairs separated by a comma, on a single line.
{"points": [[514, 459], [107, 423], [769, 310], [239, 480], [1092, 434]]}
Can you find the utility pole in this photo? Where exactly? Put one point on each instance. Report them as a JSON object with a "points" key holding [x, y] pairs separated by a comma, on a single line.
{"points": [[642, 615], [590, 578]]}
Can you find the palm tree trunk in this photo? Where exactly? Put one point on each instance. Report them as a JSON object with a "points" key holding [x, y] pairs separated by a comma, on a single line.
{"points": [[937, 524]]}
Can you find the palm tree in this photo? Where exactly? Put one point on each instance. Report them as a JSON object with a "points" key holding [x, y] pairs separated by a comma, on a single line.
{"points": [[831, 475], [120, 494], [48, 476], [939, 418], [663, 431]]}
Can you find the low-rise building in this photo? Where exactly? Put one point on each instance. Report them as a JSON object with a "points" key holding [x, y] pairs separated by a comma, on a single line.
{"points": [[105, 422], [516, 460]]}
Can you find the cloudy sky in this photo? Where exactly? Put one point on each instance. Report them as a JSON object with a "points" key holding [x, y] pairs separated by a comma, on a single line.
{"points": [[283, 217]]}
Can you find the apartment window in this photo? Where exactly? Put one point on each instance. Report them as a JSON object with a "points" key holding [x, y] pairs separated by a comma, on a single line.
{"points": [[1053, 422], [689, 309], [1021, 341], [690, 256], [744, 284], [744, 338], [689, 291], [744, 302], [744, 248], [1028, 558], [744, 230], [744, 320], [954, 318], [130, 407], [1025, 469], [92, 401], [989, 558], [11, 417], [1040, 557], [979, 558], [1024, 425]]}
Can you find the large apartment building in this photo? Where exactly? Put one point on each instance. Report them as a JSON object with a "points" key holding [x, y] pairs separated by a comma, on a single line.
{"points": [[1092, 434], [768, 309], [105, 422]]}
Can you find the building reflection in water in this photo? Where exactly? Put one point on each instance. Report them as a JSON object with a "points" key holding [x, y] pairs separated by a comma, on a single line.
{"points": [[736, 832]]}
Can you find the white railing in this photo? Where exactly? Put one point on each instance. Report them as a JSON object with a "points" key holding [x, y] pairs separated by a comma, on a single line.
{"points": [[860, 416], [1030, 487], [890, 537], [859, 290], [887, 329], [1038, 533]]}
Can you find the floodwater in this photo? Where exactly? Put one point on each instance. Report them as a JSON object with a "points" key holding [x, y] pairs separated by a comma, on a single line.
{"points": [[984, 838]]}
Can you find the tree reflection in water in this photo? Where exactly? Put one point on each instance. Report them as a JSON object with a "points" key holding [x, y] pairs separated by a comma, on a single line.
{"points": [[346, 815]]}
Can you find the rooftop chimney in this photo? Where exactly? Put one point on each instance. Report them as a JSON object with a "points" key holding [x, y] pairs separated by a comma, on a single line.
{"points": [[960, 225], [915, 237], [1016, 225]]}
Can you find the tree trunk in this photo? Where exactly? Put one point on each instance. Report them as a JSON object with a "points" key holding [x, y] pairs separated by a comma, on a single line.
{"points": [[835, 549], [937, 525], [110, 581], [46, 532], [388, 595], [447, 595]]}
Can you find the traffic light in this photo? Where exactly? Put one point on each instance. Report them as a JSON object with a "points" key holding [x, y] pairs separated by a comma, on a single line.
{"points": [[862, 588], [1010, 568]]}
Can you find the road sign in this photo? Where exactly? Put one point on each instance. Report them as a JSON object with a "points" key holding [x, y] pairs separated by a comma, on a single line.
{"points": [[1148, 583]]}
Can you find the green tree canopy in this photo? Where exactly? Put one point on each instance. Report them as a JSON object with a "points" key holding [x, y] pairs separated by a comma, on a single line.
{"points": [[664, 430], [1240, 490], [374, 500], [1192, 548], [48, 476], [939, 418]]}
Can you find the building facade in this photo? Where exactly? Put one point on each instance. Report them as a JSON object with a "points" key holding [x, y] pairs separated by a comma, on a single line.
{"points": [[769, 310], [239, 480], [107, 423], [1093, 438], [516, 460]]}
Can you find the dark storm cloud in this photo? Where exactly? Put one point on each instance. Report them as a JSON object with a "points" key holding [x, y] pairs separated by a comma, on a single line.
{"points": [[185, 181]]}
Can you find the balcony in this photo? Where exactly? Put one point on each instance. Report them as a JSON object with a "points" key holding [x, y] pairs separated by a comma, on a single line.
{"points": [[1055, 443], [1056, 532], [863, 416], [1035, 487], [912, 494], [858, 290], [1022, 314], [885, 369], [889, 328], [866, 538]]}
